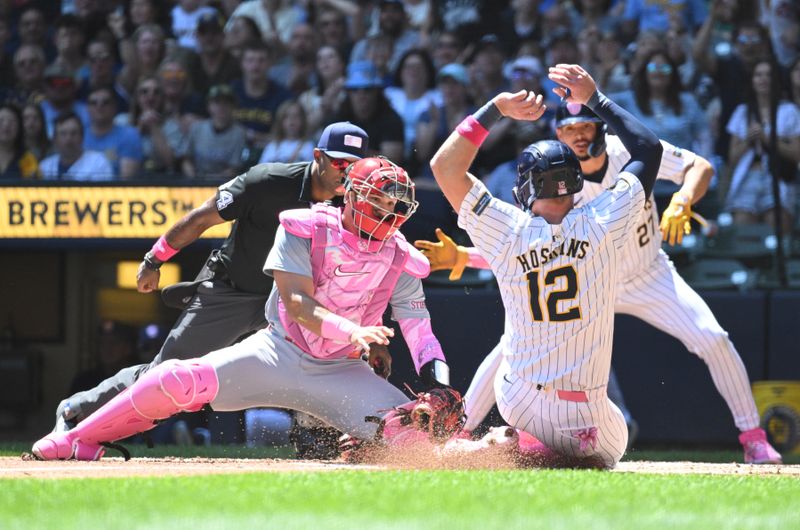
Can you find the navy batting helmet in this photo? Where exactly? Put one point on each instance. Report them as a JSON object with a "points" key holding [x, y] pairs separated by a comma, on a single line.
{"points": [[569, 113], [545, 170]]}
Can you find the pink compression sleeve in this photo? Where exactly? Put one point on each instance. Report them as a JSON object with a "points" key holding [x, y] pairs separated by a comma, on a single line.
{"points": [[422, 343]]}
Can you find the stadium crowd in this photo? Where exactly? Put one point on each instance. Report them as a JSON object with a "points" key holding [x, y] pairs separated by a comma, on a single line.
{"points": [[204, 89]]}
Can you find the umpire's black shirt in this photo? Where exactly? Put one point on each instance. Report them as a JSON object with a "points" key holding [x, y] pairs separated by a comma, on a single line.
{"points": [[253, 201]]}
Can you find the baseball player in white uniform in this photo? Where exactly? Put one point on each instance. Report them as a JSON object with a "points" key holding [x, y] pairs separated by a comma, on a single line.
{"points": [[335, 271], [648, 287], [556, 266]]}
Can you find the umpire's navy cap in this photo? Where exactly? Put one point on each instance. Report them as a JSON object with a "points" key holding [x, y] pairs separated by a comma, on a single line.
{"points": [[344, 140]]}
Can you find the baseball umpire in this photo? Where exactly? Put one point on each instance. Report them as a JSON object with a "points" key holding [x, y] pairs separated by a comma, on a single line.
{"points": [[227, 299]]}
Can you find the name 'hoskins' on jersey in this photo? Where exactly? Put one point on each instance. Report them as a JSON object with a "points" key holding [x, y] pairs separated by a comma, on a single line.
{"points": [[536, 257]]}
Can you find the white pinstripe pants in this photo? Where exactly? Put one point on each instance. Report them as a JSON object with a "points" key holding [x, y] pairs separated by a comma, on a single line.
{"points": [[562, 425]]}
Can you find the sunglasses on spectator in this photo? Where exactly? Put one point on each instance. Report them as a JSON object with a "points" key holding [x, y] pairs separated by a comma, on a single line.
{"points": [[660, 68], [748, 39], [173, 76], [339, 164], [99, 101]]}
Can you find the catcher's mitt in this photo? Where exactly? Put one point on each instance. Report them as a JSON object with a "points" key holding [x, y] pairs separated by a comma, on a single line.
{"points": [[437, 413]]}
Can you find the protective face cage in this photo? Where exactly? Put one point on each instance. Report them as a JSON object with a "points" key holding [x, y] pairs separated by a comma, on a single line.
{"points": [[546, 170], [371, 179]]}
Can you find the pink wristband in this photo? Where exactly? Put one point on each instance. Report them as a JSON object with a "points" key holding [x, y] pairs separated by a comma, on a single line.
{"points": [[472, 130], [337, 328], [161, 249]]}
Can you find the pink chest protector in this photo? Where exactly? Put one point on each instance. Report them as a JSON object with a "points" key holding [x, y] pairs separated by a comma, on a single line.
{"points": [[352, 278]]}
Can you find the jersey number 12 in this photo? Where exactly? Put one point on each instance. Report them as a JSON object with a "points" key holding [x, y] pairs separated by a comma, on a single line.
{"points": [[569, 292]]}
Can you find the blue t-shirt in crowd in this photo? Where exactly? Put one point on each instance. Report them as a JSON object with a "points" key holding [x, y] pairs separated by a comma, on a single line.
{"points": [[258, 113], [120, 142]]}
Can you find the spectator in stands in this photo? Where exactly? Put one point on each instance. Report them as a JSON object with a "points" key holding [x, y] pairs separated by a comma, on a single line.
{"points": [[750, 196], [467, 18], [560, 48], [728, 67], [32, 29], [393, 24], [36, 139], [213, 64], [296, 68], [367, 107], [520, 23], [71, 161], [448, 48], [258, 96], [379, 52], [147, 115], [289, 139], [331, 26], [121, 145], [15, 161], [182, 105], [486, 69], [600, 13], [215, 145], [141, 12], [323, 101], [414, 93], [643, 15], [185, 18], [440, 119], [657, 100], [238, 32], [29, 64], [61, 91], [116, 344], [782, 20], [144, 58], [69, 38], [101, 72], [275, 19], [609, 69]]}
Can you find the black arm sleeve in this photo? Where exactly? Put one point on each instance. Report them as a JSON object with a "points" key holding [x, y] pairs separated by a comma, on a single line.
{"points": [[641, 142]]}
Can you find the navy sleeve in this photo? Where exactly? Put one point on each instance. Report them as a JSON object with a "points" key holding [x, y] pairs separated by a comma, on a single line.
{"points": [[641, 142]]}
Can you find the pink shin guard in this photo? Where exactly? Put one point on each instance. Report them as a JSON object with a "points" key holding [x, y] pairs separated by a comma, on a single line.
{"points": [[172, 387]]}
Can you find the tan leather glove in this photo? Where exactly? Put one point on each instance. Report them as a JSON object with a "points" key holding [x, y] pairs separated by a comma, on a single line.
{"points": [[676, 219], [445, 254]]}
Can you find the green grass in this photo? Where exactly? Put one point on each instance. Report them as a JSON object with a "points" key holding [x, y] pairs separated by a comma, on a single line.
{"points": [[404, 500]]}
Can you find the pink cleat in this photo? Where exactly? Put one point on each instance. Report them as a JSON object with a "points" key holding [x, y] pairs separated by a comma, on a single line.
{"points": [[66, 446], [757, 450]]}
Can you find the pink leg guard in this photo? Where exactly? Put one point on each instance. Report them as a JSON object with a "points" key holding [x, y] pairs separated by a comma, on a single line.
{"points": [[172, 387]]}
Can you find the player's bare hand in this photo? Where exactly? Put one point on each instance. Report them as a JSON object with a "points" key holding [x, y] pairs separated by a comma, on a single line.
{"points": [[380, 360], [366, 335], [573, 77], [147, 279], [522, 105]]}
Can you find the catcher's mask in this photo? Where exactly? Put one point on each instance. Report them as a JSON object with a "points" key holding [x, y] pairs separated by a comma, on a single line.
{"points": [[370, 178], [545, 170], [569, 113]]}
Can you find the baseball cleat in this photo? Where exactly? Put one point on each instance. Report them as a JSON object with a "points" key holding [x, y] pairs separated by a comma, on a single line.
{"points": [[757, 450], [62, 446]]}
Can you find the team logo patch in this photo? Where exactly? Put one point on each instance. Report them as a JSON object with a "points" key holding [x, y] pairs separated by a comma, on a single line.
{"points": [[562, 188], [482, 203], [225, 199]]}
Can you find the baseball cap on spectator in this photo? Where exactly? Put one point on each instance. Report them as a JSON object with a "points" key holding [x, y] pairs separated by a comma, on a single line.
{"points": [[221, 92], [454, 71], [343, 139], [362, 74], [210, 22], [58, 75], [526, 64]]}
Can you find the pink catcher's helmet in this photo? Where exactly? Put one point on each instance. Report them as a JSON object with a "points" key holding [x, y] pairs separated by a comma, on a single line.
{"points": [[379, 177]]}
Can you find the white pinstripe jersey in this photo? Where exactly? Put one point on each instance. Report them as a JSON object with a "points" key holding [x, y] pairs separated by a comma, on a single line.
{"points": [[557, 282], [645, 241]]}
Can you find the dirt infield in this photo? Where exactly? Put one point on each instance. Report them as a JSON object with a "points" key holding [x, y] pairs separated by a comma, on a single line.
{"points": [[15, 467]]}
